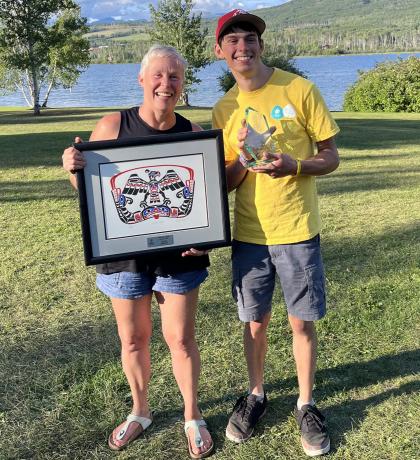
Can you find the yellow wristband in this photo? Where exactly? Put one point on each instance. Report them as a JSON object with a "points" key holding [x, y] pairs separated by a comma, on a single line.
{"points": [[298, 167]]}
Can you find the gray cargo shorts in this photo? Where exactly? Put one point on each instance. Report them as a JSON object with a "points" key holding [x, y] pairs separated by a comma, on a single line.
{"points": [[300, 270]]}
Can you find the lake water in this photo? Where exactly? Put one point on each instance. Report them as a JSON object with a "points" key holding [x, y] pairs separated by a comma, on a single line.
{"points": [[107, 85]]}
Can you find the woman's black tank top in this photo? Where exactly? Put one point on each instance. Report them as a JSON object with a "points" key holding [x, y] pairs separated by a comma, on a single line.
{"points": [[161, 263]]}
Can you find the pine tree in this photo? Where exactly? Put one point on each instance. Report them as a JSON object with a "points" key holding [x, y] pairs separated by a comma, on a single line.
{"points": [[174, 24]]}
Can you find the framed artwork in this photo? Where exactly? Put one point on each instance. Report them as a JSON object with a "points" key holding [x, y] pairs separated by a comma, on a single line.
{"points": [[156, 193]]}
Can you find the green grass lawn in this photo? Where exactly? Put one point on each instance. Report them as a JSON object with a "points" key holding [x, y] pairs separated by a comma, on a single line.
{"points": [[62, 387]]}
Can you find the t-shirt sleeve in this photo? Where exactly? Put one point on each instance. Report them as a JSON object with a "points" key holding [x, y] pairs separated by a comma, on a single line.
{"points": [[218, 123], [320, 124]]}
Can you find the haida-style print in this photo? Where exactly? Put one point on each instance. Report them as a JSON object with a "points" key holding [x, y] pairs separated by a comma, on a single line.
{"points": [[153, 192]]}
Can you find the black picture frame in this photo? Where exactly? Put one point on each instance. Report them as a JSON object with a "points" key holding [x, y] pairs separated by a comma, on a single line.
{"points": [[158, 193]]}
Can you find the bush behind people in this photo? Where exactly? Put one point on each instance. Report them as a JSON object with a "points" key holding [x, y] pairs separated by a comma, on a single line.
{"points": [[388, 87]]}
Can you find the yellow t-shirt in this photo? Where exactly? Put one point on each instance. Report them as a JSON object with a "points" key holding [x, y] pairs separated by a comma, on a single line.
{"points": [[284, 210]]}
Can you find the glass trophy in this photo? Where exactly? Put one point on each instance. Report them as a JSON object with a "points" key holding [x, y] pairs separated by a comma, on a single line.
{"points": [[258, 143]]}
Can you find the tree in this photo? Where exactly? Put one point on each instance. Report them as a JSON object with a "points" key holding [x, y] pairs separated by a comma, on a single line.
{"points": [[173, 24], [41, 47], [388, 87]]}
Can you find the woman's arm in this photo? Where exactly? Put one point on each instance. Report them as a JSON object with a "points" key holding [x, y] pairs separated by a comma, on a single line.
{"points": [[107, 128]]}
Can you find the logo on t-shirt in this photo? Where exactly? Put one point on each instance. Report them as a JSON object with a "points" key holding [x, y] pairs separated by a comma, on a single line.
{"points": [[277, 112], [287, 112]]}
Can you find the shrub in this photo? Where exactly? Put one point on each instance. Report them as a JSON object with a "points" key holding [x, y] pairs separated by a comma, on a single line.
{"points": [[388, 87], [226, 80]]}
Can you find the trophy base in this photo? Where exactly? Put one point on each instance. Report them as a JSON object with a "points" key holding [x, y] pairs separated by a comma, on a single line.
{"points": [[252, 164]]}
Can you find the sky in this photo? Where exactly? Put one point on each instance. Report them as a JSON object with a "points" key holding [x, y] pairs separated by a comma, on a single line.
{"points": [[139, 9]]}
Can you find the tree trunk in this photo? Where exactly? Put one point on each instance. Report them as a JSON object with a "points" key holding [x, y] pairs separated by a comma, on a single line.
{"points": [[35, 94], [37, 109], [44, 104], [34, 87], [184, 99], [51, 85], [21, 86]]}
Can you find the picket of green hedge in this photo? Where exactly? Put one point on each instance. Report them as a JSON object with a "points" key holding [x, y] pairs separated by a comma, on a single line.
{"points": [[388, 87]]}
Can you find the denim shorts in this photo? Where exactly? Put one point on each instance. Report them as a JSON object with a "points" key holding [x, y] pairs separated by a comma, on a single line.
{"points": [[300, 270], [128, 285]]}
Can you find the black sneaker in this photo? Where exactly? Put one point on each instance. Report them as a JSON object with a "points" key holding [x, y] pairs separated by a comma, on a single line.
{"points": [[245, 415], [314, 435]]}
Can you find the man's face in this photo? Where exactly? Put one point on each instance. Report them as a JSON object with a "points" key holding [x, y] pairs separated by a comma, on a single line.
{"points": [[241, 50], [162, 82]]}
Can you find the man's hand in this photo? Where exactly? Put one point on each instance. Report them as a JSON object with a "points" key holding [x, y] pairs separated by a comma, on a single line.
{"points": [[244, 156], [324, 162], [73, 158], [254, 140], [281, 165]]}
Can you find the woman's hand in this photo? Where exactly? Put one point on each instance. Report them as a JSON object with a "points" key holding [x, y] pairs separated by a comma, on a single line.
{"points": [[195, 252], [73, 159]]}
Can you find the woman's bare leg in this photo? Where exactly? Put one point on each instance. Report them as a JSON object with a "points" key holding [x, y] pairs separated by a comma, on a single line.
{"points": [[135, 330], [178, 326]]}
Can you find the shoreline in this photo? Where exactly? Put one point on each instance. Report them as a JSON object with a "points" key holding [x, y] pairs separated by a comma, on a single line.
{"points": [[354, 54]]}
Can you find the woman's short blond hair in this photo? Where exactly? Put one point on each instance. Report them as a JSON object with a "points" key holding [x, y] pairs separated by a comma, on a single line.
{"points": [[161, 51]]}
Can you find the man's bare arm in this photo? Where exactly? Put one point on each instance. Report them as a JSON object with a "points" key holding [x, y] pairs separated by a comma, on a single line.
{"points": [[324, 162]]}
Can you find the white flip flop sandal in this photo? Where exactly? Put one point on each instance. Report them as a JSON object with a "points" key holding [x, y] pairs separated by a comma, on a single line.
{"points": [[198, 440], [143, 424]]}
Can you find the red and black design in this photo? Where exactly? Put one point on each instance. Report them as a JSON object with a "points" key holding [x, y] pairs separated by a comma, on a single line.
{"points": [[145, 195]]}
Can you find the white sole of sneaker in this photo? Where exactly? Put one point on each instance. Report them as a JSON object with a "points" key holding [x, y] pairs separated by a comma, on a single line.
{"points": [[233, 438], [317, 452]]}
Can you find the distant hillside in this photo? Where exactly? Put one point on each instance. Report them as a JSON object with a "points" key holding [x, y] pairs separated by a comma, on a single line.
{"points": [[118, 42], [300, 26], [315, 26]]}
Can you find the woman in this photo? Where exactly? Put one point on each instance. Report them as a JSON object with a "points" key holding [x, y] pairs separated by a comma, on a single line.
{"points": [[174, 279]]}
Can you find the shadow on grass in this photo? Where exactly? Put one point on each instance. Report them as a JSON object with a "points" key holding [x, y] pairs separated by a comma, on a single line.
{"points": [[329, 185], [36, 191], [34, 150], [10, 117], [391, 251], [377, 134], [354, 156], [347, 377], [72, 358], [88, 346], [183, 108], [351, 259], [343, 378], [364, 181], [343, 418], [64, 115], [47, 373], [39, 372]]}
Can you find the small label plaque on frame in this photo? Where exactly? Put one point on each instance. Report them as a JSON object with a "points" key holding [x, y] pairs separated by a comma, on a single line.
{"points": [[158, 241]]}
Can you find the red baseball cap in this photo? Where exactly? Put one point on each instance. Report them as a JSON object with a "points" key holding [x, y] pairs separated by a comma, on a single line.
{"points": [[238, 16]]}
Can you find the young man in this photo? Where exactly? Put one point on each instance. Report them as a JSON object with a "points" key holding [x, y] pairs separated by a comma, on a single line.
{"points": [[277, 221]]}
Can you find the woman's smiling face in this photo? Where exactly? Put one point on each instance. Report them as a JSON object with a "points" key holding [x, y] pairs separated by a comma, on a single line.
{"points": [[162, 81]]}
